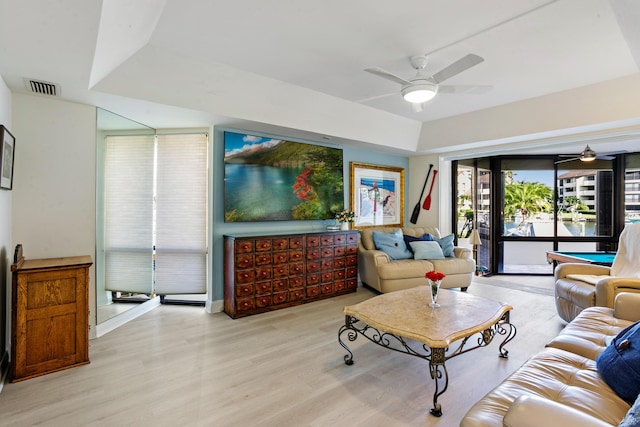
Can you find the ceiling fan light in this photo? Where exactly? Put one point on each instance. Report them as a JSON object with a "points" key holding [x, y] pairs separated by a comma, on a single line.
{"points": [[419, 93], [588, 155]]}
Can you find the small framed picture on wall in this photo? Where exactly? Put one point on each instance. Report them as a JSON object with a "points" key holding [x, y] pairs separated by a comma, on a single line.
{"points": [[7, 152], [377, 195]]}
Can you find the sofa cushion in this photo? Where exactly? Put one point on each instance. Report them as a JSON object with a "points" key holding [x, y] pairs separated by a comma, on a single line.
{"points": [[392, 244], [446, 243], [632, 419], [588, 333], [619, 363], [564, 377], [591, 279], [451, 266], [407, 269], [536, 411], [426, 250]]}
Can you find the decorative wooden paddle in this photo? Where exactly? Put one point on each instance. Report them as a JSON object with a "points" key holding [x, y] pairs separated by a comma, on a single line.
{"points": [[416, 209], [427, 202]]}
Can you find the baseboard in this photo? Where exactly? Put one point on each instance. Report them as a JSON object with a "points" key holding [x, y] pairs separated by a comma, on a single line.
{"points": [[4, 369], [119, 320], [214, 306]]}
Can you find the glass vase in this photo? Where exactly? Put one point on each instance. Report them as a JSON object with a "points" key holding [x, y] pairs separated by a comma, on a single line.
{"points": [[435, 288]]}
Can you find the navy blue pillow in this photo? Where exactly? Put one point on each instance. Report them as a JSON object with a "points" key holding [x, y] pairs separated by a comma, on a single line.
{"points": [[408, 239], [619, 363], [392, 244], [446, 243]]}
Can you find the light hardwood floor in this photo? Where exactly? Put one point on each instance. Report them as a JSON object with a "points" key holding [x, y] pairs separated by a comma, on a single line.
{"points": [[179, 366]]}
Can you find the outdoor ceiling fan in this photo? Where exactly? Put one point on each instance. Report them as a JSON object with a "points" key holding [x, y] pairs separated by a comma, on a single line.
{"points": [[422, 87], [588, 155]]}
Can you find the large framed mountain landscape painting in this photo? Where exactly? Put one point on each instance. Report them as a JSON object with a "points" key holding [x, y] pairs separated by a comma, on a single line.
{"points": [[273, 179]]}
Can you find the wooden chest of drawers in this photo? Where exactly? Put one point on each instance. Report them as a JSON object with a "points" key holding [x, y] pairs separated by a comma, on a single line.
{"points": [[264, 273]]}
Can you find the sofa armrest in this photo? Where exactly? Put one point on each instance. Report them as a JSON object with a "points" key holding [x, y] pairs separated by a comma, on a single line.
{"points": [[462, 252], [534, 411], [562, 270], [374, 256], [368, 262], [608, 288], [627, 306]]}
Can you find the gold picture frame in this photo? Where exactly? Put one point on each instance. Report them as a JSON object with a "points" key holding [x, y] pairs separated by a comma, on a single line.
{"points": [[377, 195]]}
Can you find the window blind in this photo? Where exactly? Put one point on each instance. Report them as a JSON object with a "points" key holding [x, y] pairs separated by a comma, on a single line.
{"points": [[181, 213], [129, 165]]}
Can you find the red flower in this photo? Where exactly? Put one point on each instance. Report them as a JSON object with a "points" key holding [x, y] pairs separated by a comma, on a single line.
{"points": [[434, 275]]}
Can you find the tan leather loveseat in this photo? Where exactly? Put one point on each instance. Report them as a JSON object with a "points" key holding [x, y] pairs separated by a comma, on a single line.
{"points": [[386, 275], [561, 385]]}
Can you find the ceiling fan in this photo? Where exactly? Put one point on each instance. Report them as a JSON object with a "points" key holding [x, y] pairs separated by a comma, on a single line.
{"points": [[588, 155], [422, 87]]}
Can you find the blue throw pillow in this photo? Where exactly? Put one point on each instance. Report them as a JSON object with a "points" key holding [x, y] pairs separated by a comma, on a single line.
{"points": [[619, 363], [427, 250], [632, 419], [446, 243], [408, 239], [392, 244]]}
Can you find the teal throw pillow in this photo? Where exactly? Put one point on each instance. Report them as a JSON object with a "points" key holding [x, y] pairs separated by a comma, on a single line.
{"points": [[446, 243], [426, 250], [392, 244]]}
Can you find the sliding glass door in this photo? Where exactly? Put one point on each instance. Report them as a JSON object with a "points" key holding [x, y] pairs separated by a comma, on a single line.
{"points": [[527, 215], [473, 211], [585, 205], [521, 207], [632, 188], [483, 215]]}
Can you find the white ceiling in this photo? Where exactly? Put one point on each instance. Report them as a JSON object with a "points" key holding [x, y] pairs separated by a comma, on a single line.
{"points": [[176, 63]]}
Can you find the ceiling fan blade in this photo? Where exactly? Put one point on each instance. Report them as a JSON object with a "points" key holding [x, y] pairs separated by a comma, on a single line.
{"points": [[387, 75], [599, 157], [457, 67], [373, 98], [567, 160], [465, 89]]}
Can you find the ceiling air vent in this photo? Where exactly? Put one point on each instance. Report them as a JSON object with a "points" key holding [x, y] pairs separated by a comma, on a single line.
{"points": [[41, 87]]}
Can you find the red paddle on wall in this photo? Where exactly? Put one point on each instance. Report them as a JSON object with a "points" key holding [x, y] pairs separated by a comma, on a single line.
{"points": [[427, 202], [416, 208]]}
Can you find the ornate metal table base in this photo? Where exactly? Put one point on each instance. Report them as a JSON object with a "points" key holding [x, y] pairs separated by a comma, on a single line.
{"points": [[435, 356]]}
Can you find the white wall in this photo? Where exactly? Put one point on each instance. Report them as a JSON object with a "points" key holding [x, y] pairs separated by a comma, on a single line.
{"points": [[597, 107], [6, 251], [54, 202]]}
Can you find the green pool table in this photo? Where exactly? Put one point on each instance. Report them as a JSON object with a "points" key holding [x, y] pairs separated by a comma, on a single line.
{"points": [[595, 257]]}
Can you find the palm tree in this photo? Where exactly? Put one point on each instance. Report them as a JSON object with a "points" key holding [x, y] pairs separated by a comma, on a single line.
{"points": [[527, 197]]}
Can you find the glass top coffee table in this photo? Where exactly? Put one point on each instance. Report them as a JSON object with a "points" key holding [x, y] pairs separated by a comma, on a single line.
{"points": [[403, 321]]}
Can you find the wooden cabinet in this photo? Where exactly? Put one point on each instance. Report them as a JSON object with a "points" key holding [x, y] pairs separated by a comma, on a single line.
{"points": [[50, 315], [264, 273]]}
